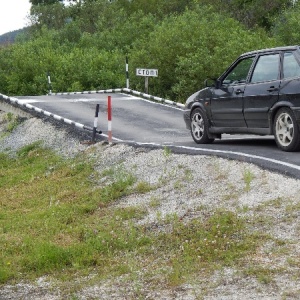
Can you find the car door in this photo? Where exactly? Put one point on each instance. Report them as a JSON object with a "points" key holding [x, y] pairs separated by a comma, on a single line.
{"points": [[227, 98], [262, 91]]}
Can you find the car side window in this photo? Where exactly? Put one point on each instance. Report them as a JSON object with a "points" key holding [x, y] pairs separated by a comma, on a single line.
{"points": [[266, 69], [240, 72], [291, 67]]}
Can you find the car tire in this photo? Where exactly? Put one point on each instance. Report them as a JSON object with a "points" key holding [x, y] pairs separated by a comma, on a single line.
{"points": [[286, 130], [199, 127]]}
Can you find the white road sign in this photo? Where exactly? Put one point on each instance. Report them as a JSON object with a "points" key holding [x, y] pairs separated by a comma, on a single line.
{"points": [[147, 72]]}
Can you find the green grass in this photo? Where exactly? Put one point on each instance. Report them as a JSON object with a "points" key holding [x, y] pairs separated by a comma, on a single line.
{"points": [[58, 217], [11, 122]]}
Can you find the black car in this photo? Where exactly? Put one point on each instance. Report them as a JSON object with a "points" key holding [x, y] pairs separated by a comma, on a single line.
{"points": [[258, 94]]}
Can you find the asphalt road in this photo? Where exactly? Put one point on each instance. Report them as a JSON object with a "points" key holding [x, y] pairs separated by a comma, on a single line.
{"points": [[139, 121]]}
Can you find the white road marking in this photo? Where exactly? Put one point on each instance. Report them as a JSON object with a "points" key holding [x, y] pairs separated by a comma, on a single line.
{"points": [[25, 101], [225, 152], [245, 155], [151, 101], [83, 100]]}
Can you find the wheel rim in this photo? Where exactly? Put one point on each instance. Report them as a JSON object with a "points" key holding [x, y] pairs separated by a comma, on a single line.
{"points": [[197, 126], [284, 129]]}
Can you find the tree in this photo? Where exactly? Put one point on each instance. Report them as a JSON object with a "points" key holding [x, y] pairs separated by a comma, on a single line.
{"points": [[252, 13], [54, 16], [287, 27], [44, 2], [191, 47]]}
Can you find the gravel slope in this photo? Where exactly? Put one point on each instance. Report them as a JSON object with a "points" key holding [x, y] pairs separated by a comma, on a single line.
{"points": [[212, 183]]}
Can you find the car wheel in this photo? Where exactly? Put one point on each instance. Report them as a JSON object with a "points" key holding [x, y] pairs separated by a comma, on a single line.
{"points": [[286, 130], [199, 127]]}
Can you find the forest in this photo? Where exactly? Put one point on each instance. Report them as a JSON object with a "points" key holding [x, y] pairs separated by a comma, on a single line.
{"points": [[83, 44]]}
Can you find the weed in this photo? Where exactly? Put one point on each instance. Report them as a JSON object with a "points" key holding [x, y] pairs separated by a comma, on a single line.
{"points": [[129, 213], [143, 187], [121, 183], [167, 152], [159, 216], [199, 192], [231, 196], [108, 172], [171, 218], [154, 202], [162, 180], [178, 185], [248, 177], [188, 174], [12, 121], [29, 148], [274, 203], [263, 275], [244, 209], [290, 295], [119, 188], [218, 171]]}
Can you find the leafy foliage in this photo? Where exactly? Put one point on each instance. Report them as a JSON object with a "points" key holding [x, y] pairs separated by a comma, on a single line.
{"points": [[287, 26], [83, 44], [188, 48], [252, 13]]}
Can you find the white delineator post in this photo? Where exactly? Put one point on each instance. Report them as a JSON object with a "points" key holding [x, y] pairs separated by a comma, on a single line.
{"points": [[109, 115], [127, 74], [49, 84], [95, 123]]}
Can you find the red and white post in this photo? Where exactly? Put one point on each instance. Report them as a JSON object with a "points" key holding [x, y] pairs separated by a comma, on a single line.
{"points": [[109, 114]]}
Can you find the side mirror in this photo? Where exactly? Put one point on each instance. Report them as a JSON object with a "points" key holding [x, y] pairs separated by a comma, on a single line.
{"points": [[218, 84], [210, 82]]}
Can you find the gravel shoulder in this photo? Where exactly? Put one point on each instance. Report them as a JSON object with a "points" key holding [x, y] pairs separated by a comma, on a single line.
{"points": [[192, 186]]}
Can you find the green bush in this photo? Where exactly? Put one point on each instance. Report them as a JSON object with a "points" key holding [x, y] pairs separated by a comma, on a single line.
{"points": [[187, 49], [287, 26], [186, 42], [70, 67]]}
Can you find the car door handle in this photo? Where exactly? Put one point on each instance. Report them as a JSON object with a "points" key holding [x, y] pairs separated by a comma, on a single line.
{"points": [[239, 91], [272, 89]]}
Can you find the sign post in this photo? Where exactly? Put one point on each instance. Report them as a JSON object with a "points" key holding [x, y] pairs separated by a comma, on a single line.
{"points": [[147, 73]]}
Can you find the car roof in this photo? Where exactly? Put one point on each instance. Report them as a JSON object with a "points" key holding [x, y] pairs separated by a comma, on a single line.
{"points": [[284, 48]]}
